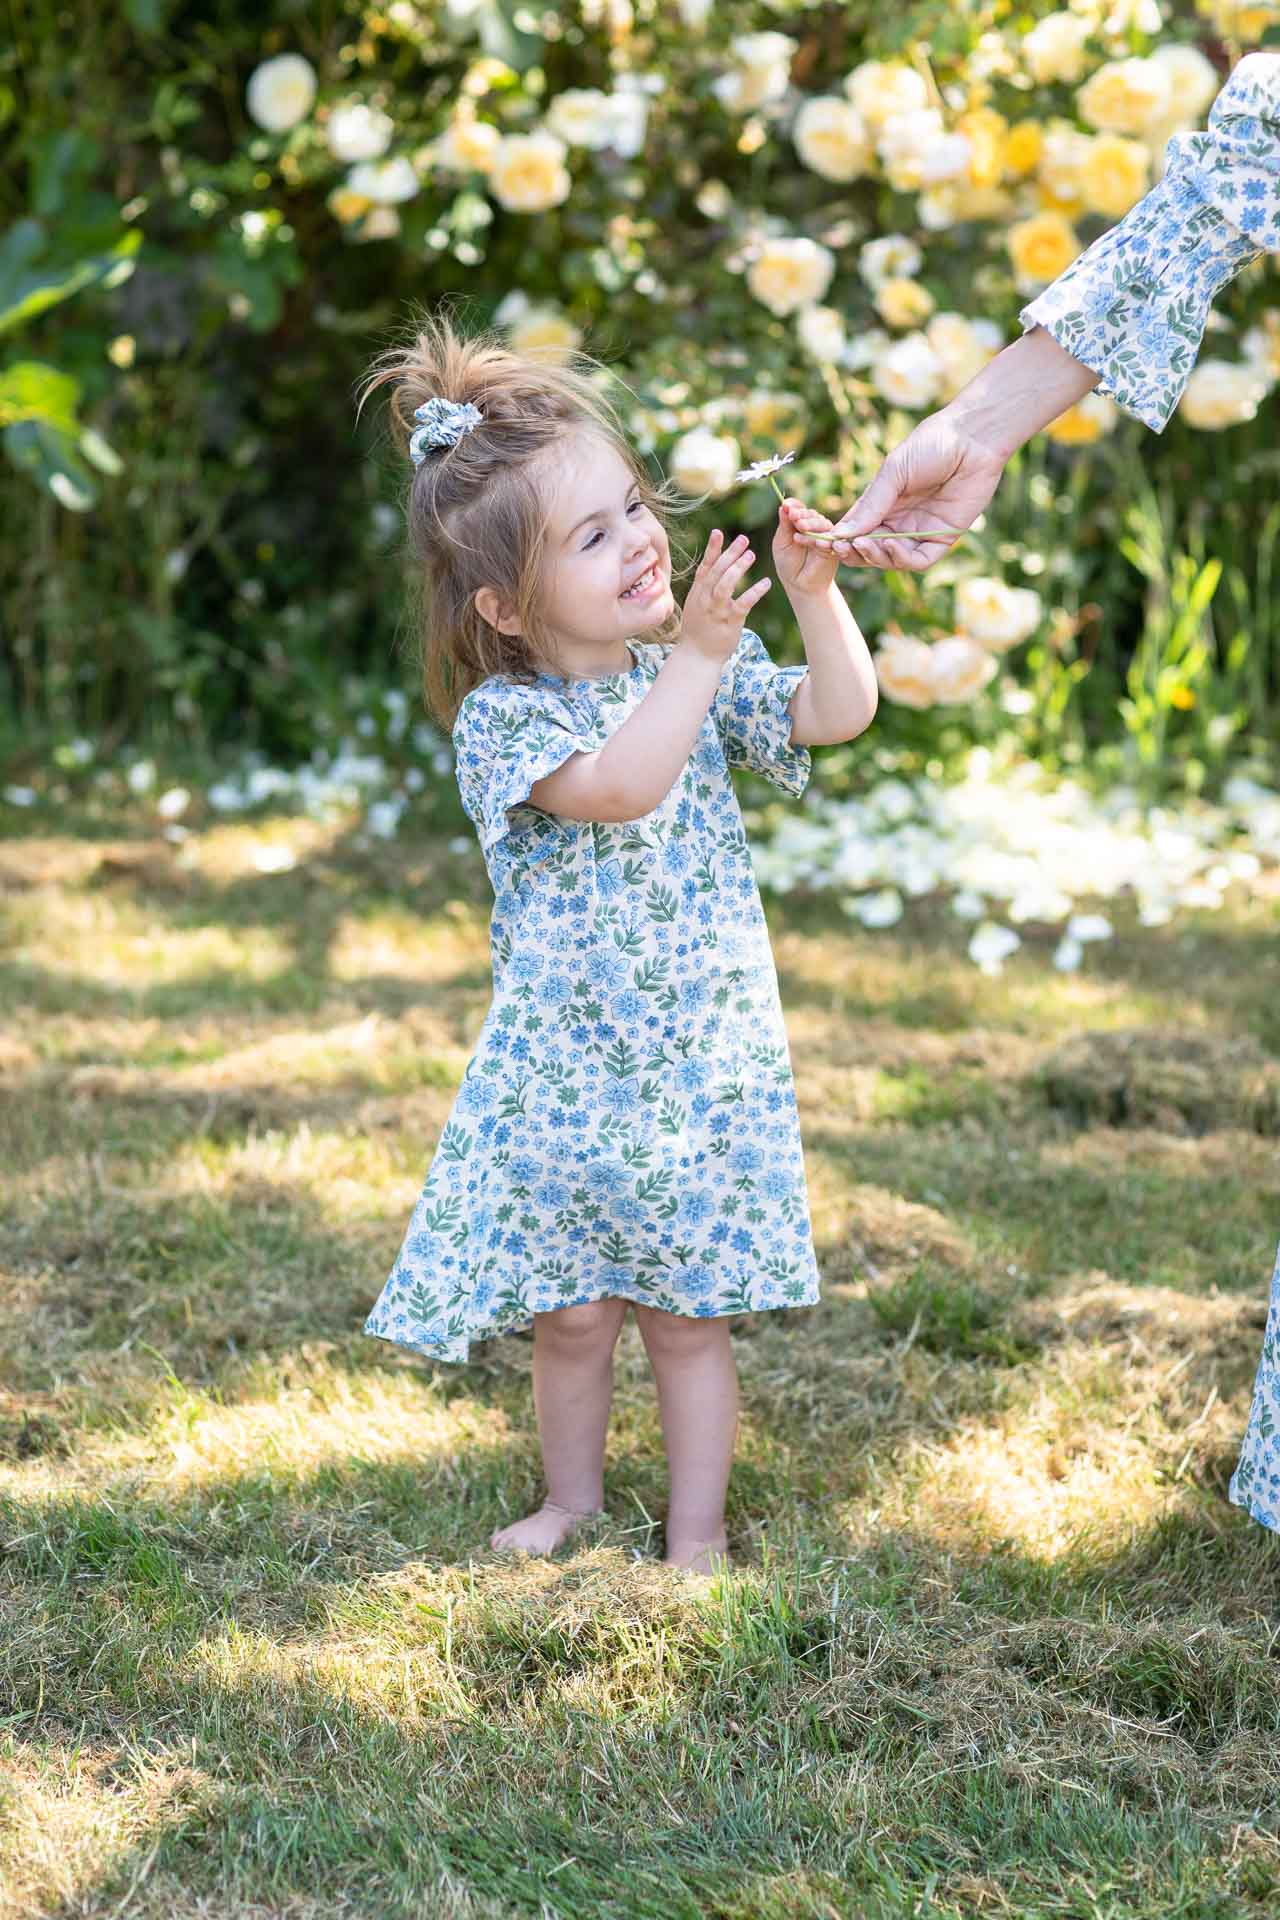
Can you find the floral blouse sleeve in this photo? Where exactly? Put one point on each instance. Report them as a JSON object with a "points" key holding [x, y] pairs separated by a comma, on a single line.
{"points": [[752, 718], [505, 739], [1133, 306]]}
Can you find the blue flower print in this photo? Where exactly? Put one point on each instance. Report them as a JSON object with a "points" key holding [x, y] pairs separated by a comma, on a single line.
{"points": [[631, 1072]]}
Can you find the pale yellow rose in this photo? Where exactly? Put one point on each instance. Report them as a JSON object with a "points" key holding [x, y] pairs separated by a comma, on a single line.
{"points": [[893, 256], [467, 145], [1221, 393], [1084, 423], [705, 462], [1114, 176], [789, 273], [881, 88], [994, 614], [347, 206], [545, 333], [1241, 20], [280, 92], [761, 71], [1023, 145], [1054, 48], [1063, 153], [908, 373], [1261, 345], [1193, 83], [820, 331], [959, 669], [917, 150], [528, 173], [904, 669], [1041, 248], [963, 346], [903, 303], [832, 138], [581, 116], [1125, 96]]}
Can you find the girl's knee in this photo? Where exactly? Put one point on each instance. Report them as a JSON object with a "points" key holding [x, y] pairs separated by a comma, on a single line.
{"points": [[680, 1332], [590, 1324]]}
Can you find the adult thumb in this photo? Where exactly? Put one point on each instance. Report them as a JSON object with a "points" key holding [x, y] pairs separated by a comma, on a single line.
{"points": [[872, 507]]}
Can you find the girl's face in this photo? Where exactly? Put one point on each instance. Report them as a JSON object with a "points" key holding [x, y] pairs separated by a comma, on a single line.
{"points": [[608, 569]]}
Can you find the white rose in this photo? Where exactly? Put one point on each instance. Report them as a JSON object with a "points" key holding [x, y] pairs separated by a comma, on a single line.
{"points": [[1054, 48], [694, 13], [628, 120], [386, 182], [1063, 154], [790, 273], [904, 669], [995, 615], [909, 373], [879, 88], [467, 146], [761, 71], [1192, 82], [280, 92], [917, 151], [544, 332], [820, 331], [831, 137], [963, 346], [528, 174], [705, 462], [892, 257], [1221, 394], [1129, 16], [959, 669], [380, 223], [357, 132], [580, 117]]}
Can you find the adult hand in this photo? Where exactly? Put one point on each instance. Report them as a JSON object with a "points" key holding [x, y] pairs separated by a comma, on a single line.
{"points": [[939, 476]]}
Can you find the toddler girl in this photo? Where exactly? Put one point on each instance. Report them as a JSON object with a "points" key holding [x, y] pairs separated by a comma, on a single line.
{"points": [[626, 1132]]}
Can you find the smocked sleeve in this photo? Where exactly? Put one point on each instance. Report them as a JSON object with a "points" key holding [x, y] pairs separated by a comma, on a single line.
{"points": [[506, 739], [1133, 306], [752, 717]]}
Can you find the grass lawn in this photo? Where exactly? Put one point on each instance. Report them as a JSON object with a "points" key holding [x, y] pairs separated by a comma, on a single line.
{"points": [[995, 1643]]}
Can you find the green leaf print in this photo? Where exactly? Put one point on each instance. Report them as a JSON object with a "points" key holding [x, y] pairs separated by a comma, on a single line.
{"points": [[621, 1061], [636, 1154], [653, 975], [445, 1218], [512, 1104], [454, 1143], [629, 940], [704, 875], [662, 902], [672, 1117], [656, 1186], [615, 1250]]}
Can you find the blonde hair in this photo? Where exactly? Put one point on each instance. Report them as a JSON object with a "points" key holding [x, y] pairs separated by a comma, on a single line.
{"points": [[475, 516]]}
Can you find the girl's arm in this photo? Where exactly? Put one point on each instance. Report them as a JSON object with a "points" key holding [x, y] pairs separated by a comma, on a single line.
{"points": [[837, 698], [641, 762]]}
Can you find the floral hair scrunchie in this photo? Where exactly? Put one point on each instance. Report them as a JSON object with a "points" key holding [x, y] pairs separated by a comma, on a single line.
{"points": [[443, 423]]}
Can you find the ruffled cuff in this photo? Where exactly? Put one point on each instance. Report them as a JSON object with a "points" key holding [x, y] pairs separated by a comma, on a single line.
{"points": [[1133, 306], [542, 748]]}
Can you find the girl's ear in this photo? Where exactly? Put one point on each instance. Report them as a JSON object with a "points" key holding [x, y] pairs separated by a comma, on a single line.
{"points": [[496, 612]]}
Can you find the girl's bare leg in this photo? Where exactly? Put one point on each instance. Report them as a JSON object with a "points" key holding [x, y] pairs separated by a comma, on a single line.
{"points": [[698, 1403], [572, 1391]]}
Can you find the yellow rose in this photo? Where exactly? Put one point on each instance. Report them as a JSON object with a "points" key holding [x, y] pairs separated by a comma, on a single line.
{"points": [[1239, 19], [776, 419], [1042, 247], [831, 137], [705, 462], [529, 174], [1114, 175], [790, 273], [1125, 96], [903, 303], [1022, 148], [1084, 423], [959, 669], [994, 615], [468, 145], [987, 133]]}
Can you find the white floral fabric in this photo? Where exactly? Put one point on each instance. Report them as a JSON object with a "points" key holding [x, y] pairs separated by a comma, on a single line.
{"points": [[1133, 306], [1255, 1484], [627, 1124]]}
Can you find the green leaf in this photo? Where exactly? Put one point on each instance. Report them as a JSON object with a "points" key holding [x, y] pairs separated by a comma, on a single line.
{"points": [[36, 292], [61, 165], [30, 390], [148, 16], [48, 455]]}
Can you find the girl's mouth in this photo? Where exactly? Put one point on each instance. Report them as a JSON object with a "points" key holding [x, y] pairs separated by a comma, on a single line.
{"points": [[644, 586]]}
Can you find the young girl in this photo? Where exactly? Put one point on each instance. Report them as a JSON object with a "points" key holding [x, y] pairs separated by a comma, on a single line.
{"points": [[626, 1131]]}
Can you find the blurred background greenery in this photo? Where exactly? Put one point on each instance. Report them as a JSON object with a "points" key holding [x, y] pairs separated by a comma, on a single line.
{"points": [[214, 216]]}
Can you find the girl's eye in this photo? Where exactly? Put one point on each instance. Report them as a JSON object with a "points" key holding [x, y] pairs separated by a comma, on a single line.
{"points": [[634, 505]]}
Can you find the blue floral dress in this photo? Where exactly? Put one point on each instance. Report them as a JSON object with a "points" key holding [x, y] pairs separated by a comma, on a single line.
{"points": [[1133, 306], [627, 1125]]}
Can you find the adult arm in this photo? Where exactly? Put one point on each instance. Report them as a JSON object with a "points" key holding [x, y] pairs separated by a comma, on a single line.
{"points": [[1127, 317]]}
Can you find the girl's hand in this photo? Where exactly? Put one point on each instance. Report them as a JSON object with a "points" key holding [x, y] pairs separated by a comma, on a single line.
{"points": [[713, 620], [803, 569]]}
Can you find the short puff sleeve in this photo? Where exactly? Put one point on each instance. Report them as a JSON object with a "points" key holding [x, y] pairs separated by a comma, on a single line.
{"points": [[506, 738], [1133, 306], [752, 717]]}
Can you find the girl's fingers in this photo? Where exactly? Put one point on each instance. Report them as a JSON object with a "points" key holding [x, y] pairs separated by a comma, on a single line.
{"points": [[730, 558], [713, 548], [744, 603], [733, 570]]}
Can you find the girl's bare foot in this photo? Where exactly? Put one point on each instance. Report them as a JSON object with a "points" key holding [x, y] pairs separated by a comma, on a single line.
{"points": [[543, 1531], [700, 1556]]}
